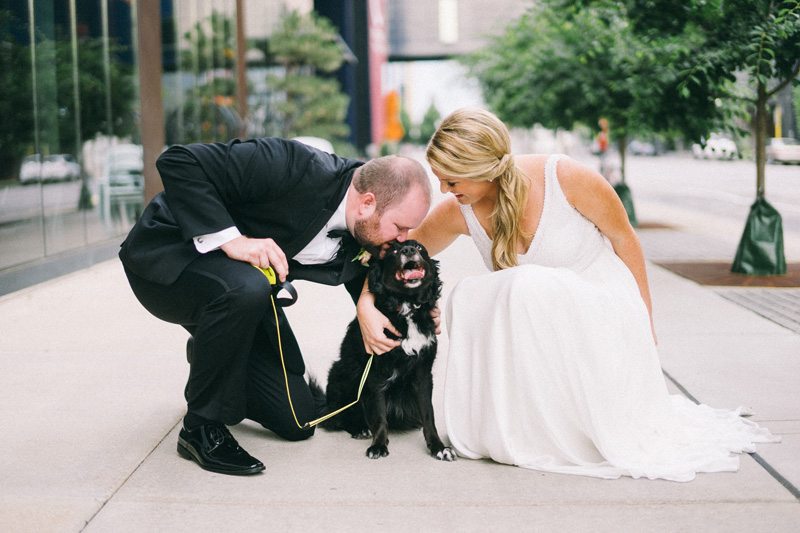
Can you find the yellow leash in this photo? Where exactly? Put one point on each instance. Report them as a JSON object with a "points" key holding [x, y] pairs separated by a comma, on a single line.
{"points": [[270, 275]]}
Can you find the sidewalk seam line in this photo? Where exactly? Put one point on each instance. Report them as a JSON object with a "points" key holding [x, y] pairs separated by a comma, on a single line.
{"points": [[788, 485], [777, 475], [124, 481]]}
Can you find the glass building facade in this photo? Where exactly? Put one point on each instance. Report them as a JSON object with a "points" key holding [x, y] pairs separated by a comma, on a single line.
{"points": [[78, 146], [68, 90], [71, 170]]}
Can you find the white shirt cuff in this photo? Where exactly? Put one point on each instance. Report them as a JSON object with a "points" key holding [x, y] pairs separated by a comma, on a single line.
{"points": [[212, 241]]}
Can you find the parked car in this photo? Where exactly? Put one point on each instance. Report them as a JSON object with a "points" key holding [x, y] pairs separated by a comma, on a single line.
{"points": [[639, 147], [60, 167], [31, 169], [55, 167], [783, 150], [716, 147]]}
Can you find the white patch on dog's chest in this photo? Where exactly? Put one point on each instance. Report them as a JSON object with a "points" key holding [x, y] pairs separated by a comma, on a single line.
{"points": [[414, 341]]}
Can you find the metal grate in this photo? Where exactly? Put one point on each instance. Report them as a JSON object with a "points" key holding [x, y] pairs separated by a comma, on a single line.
{"points": [[781, 306]]}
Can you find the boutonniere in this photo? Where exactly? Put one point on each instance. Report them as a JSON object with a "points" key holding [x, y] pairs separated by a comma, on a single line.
{"points": [[363, 257]]}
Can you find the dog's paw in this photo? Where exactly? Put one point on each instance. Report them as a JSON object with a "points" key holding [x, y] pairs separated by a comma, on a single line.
{"points": [[363, 434], [376, 451], [446, 454]]}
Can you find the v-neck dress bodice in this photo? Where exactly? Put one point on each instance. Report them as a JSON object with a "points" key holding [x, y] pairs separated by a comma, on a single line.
{"points": [[563, 237], [552, 364]]}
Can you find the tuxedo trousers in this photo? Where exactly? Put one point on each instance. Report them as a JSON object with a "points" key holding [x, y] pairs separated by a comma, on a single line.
{"points": [[235, 368]]}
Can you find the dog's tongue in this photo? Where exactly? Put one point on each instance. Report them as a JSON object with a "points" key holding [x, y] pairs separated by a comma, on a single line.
{"points": [[414, 273]]}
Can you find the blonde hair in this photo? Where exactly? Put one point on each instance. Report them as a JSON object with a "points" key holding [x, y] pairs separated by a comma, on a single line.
{"points": [[472, 143]]}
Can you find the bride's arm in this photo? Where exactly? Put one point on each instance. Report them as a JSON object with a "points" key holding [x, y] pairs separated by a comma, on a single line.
{"points": [[440, 227], [595, 198]]}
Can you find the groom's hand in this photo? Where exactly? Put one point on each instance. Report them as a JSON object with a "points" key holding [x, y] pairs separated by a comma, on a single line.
{"points": [[258, 252], [372, 324]]}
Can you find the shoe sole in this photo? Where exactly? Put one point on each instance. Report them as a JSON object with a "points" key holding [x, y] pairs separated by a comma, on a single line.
{"points": [[185, 452]]}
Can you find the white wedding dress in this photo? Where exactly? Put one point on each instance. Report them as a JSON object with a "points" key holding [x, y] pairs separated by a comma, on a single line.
{"points": [[552, 365]]}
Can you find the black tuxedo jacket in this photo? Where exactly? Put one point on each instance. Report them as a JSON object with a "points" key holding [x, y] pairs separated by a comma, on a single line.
{"points": [[266, 187]]}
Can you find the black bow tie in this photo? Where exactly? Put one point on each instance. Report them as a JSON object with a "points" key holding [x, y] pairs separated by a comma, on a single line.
{"points": [[348, 247], [339, 234]]}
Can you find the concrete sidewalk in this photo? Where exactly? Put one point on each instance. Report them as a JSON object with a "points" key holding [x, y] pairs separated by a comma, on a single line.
{"points": [[91, 388]]}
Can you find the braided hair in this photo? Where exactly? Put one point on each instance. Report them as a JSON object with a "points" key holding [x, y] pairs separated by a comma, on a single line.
{"points": [[472, 143]]}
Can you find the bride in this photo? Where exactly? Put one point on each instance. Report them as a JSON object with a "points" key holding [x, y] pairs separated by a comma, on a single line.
{"points": [[552, 362]]}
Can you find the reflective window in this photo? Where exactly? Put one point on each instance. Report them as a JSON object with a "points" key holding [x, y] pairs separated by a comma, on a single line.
{"points": [[199, 72], [71, 165], [69, 86]]}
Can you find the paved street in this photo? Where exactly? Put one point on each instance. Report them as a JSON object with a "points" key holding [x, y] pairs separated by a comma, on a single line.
{"points": [[709, 200], [712, 198], [91, 388], [724, 189]]}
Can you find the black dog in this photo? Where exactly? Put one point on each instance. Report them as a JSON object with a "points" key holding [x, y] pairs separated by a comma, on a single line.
{"points": [[397, 393]]}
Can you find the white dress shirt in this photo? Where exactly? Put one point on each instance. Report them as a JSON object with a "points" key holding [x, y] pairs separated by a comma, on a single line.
{"points": [[320, 250]]}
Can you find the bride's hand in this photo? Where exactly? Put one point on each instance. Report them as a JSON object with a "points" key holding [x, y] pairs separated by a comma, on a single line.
{"points": [[372, 323], [436, 315]]}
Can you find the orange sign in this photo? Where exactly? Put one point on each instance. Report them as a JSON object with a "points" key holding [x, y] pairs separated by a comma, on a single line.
{"points": [[393, 130]]}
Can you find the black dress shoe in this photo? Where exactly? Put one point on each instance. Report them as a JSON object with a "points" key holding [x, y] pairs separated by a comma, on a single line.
{"points": [[213, 447]]}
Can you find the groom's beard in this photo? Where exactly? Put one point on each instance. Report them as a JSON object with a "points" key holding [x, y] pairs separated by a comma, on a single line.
{"points": [[367, 233]]}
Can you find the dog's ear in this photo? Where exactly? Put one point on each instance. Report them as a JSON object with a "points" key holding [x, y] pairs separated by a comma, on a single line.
{"points": [[375, 276], [434, 290]]}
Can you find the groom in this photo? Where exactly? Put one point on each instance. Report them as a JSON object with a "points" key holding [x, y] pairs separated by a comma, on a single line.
{"points": [[263, 202]]}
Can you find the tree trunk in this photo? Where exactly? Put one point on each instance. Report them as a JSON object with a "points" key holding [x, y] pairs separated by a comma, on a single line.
{"points": [[760, 251], [761, 134], [622, 189]]}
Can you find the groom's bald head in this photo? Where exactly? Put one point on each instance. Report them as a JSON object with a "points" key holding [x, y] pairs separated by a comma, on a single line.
{"points": [[390, 179]]}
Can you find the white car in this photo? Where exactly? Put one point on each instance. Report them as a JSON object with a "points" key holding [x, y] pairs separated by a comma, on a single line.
{"points": [[31, 169], [716, 147], [783, 150], [60, 167], [56, 167]]}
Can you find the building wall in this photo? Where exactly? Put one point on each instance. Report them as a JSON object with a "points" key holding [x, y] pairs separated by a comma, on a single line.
{"points": [[426, 37], [425, 29]]}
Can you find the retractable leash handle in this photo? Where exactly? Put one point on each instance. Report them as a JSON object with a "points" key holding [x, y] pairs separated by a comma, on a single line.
{"points": [[286, 302], [279, 288]]}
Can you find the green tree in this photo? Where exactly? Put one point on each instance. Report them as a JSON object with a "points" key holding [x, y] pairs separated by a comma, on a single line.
{"points": [[761, 40], [209, 109], [758, 39], [653, 66], [212, 44], [564, 64], [430, 121], [92, 93], [207, 114], [305, 102], [796, 104], [747, 52], [405, 120], [16, 107], [56, 90]]}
